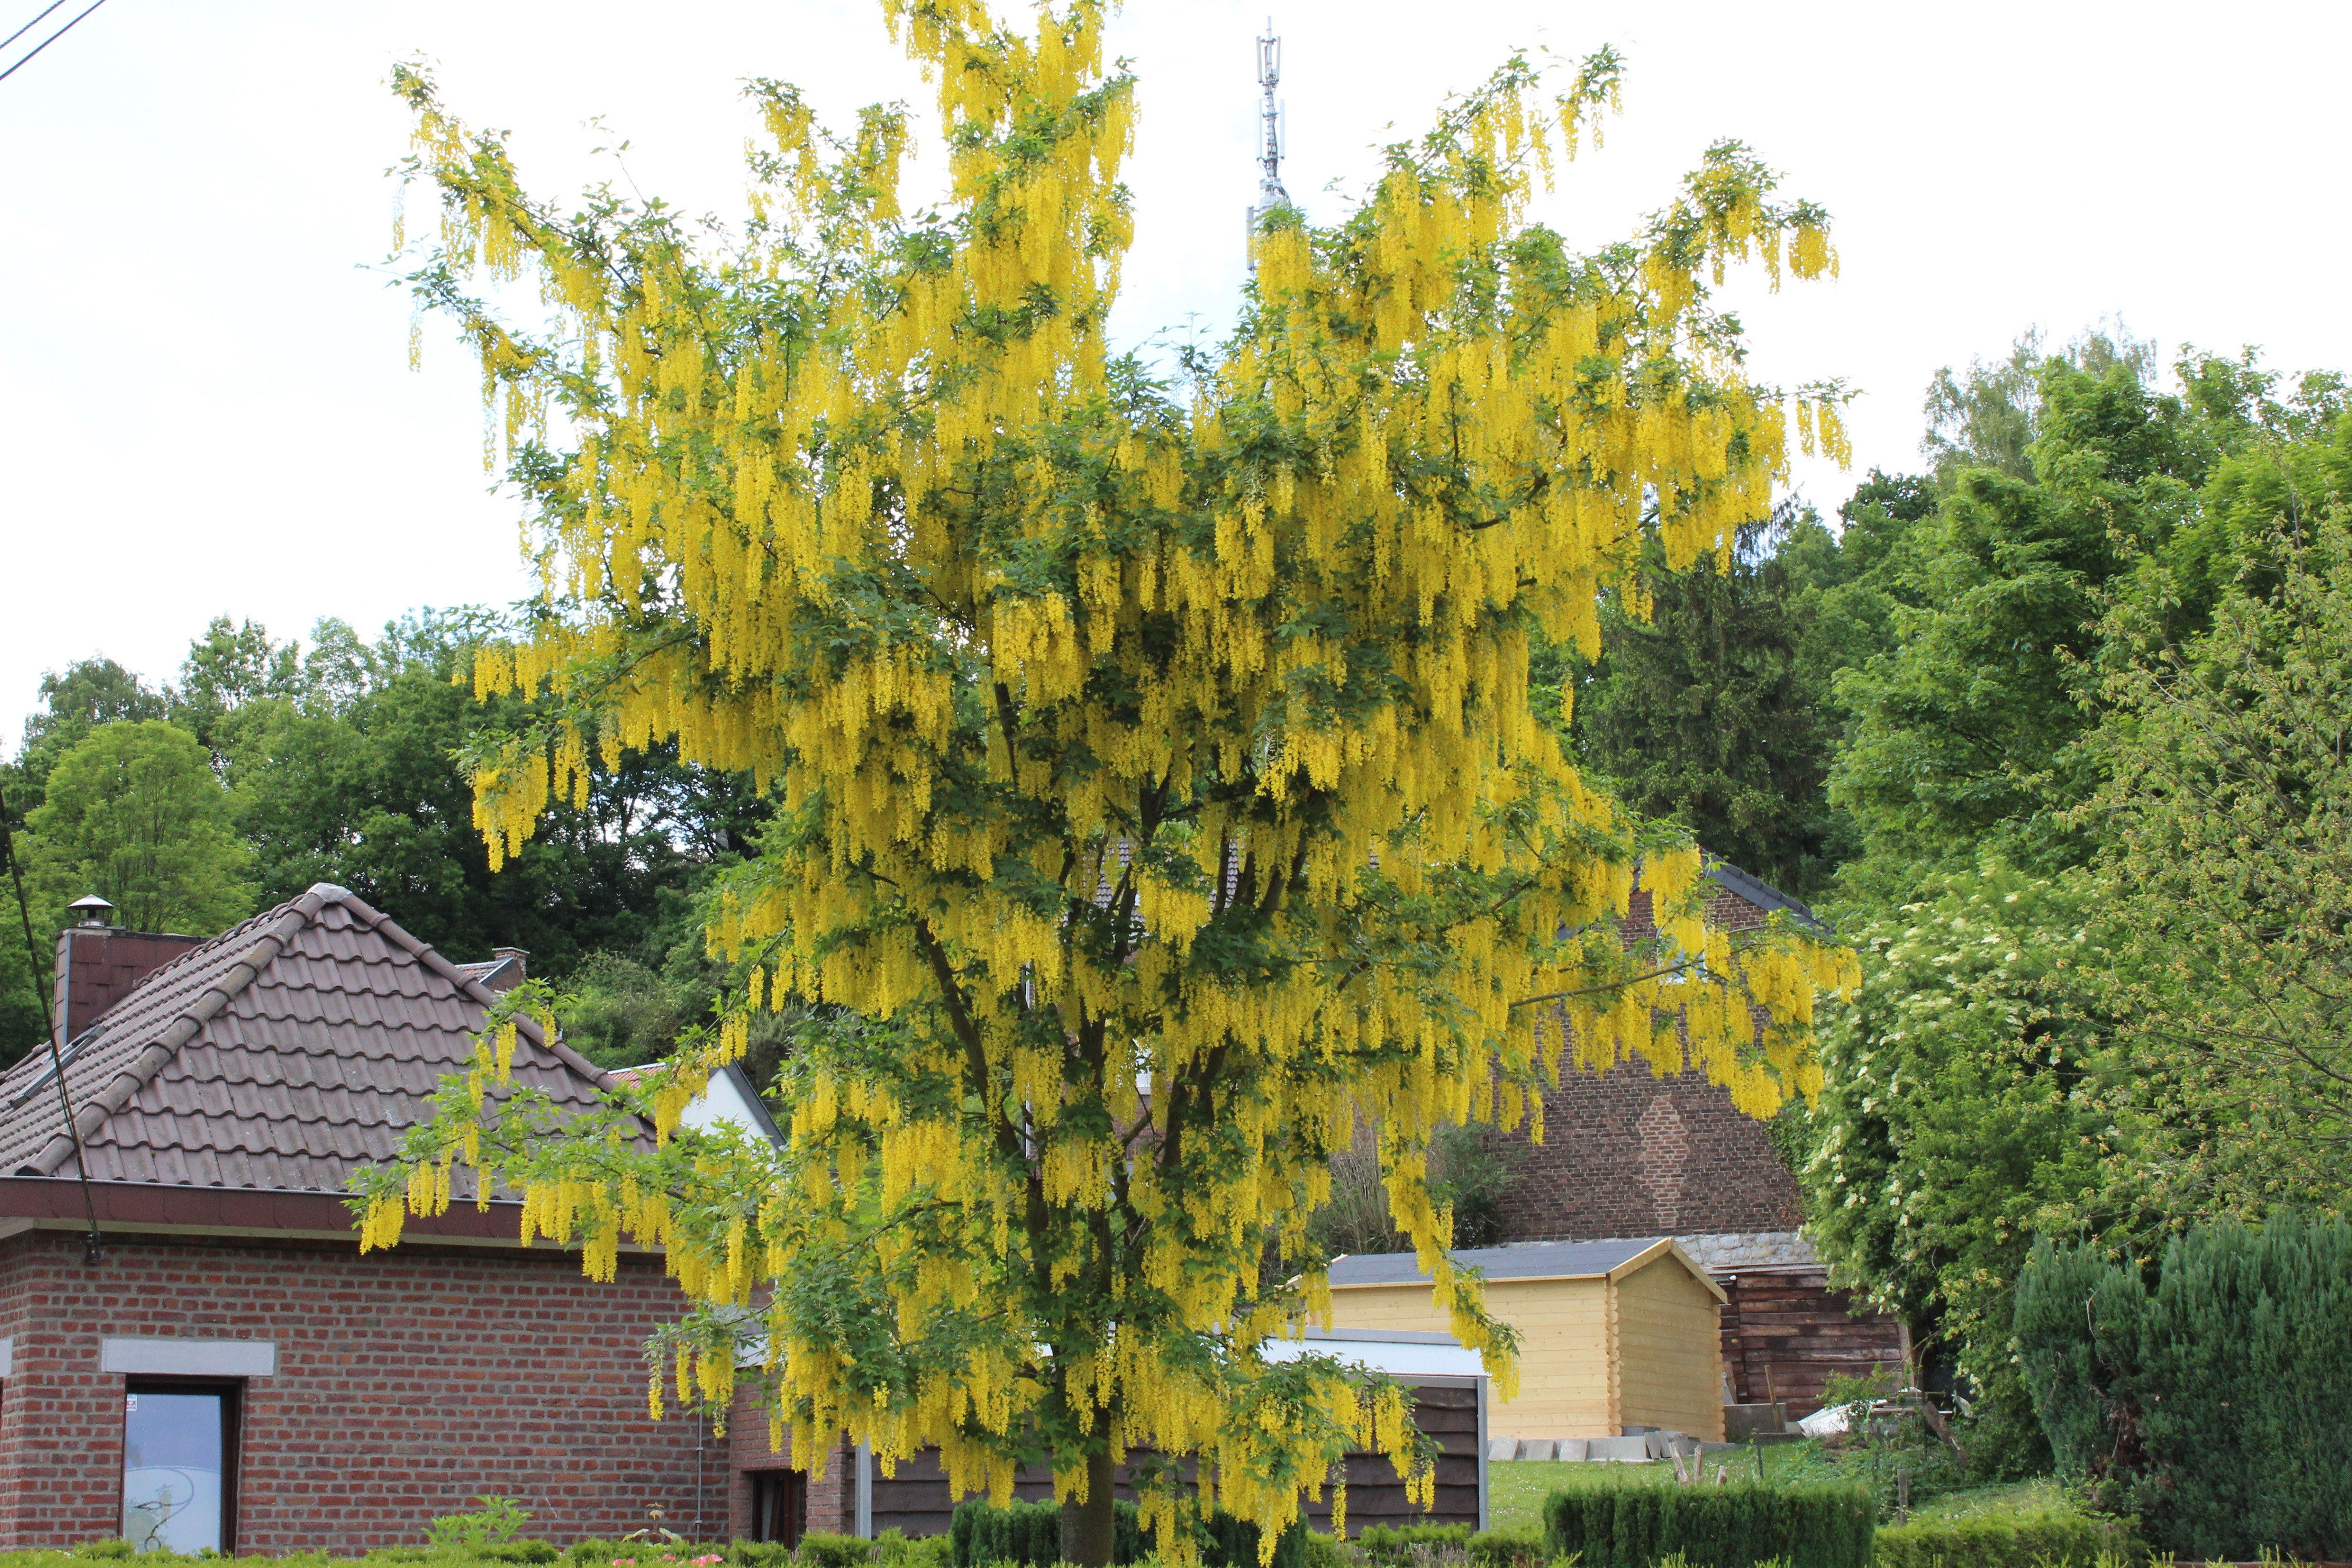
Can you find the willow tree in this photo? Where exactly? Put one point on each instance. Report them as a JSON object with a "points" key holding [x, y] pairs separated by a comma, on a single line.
{"points": [[1156, 792]]}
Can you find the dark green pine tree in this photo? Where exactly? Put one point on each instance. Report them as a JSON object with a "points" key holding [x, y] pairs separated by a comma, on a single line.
{"points": [[1716, 711]]}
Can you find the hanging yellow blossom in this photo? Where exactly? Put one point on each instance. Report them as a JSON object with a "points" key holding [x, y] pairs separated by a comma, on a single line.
{"points": [[1158, 795]]}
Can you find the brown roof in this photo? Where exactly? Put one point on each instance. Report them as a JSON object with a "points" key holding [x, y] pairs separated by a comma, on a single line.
{"points": [[279, 1057]]}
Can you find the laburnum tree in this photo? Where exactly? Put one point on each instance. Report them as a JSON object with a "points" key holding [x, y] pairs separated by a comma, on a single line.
{"points": [[1157, 797]]}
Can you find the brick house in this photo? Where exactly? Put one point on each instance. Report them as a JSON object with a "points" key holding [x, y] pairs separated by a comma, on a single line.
{"points": [[1629, 1156], [230, 1370]]}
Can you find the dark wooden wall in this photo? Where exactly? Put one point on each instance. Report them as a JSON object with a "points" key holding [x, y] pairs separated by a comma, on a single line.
{"points": [[1375, 1495], [1788, 1321], [918, 1501]]}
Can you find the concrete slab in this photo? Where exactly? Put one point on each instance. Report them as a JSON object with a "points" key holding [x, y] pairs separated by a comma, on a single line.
{"points": [[1498, 1448], [1537, 1447], [1624, 1450], [1570, 1448]]}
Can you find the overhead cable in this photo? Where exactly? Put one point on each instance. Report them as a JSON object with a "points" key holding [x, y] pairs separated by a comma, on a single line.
{"points": [[28, 27], [44, 43]]}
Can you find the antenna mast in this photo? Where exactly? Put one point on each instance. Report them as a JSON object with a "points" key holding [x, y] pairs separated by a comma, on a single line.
{"points": [[1270, 193]]}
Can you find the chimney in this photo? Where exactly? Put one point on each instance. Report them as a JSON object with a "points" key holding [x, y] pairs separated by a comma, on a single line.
{"points": [[512, 962], [98, 964]]}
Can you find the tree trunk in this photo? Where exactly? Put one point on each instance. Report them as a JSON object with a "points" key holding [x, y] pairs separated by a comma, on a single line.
{"points": [[1088, 1532]]}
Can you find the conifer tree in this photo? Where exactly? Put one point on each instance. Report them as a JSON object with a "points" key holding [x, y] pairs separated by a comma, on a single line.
{"points": [[1158, 795]]}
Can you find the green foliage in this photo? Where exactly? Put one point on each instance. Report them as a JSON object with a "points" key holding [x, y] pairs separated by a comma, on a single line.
{"points": [[1411, 1545], [498, 1520], [1967, 1105], [1969, 731], [2046, 1540], [819, 1549], [1031, 1533], [1227, 1542], [1707, 710], [1469, 1169], [1518, 1547], [2228, 865], [339, 755], [2213, 1405], [134, 814], [893, 1548], [1729, 1526]]}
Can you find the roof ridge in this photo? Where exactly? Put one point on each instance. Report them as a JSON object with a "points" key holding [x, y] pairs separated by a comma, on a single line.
{"points": [[432, 958], [96, 1111]]}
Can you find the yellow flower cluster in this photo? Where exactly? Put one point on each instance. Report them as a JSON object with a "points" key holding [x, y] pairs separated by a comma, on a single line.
{"points": [[1159, 786]]}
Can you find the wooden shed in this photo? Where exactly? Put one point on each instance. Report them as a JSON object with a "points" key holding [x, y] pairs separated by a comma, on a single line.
{"points": [[1612, 1334]]}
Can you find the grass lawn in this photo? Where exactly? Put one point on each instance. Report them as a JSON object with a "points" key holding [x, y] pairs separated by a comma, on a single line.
{"points": [[1516, 1488]]}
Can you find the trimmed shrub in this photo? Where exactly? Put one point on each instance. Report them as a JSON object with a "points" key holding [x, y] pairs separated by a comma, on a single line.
{"points": [[1031, 1533], [2211, 1408], [893, 1548], [1391, 1546], [1407, 1546], [2047, 1541], [1230, 1542], [752, 1554], [819, 1549], [1735, 1526], [1521, 1547]]}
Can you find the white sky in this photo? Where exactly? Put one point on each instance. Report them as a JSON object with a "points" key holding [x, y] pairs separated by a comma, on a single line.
{"points": [[204, 403]]}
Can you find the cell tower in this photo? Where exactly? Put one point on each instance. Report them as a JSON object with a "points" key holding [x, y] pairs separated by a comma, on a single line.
{"points": [[1270, 193]]}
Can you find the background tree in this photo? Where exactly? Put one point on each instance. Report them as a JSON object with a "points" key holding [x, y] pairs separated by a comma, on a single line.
{"points": [[134, 814], [2229, 864], [1158, 798], [1973, 1098], [1707, 712]]}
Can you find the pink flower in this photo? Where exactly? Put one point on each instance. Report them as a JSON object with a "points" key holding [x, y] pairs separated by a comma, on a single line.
{"points": [[707, 1562]]}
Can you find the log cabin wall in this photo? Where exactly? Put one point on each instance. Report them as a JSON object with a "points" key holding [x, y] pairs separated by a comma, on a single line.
{"points": [[1786, 1333]]}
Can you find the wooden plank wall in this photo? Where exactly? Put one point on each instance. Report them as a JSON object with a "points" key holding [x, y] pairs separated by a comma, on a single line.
{"points": [[1375, 1496], [1788, 1319], [1564, 1369], [1670, 1374], [918, 1501]]}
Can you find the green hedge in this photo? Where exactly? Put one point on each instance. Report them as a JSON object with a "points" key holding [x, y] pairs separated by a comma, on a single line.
{"points": [[1387, 1546], [1230, 1542], [1735, 1526], [2213, 1406], [1031, 1533], [2048, 1540]]}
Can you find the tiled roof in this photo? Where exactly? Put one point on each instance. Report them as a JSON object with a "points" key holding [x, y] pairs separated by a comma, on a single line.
{"points": [[279, 1057], [1761, 894]]}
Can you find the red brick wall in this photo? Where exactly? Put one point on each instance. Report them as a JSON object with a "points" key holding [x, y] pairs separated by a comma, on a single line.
{"points": [[832, 1498], [98, 965], [1628, 1153], [408, 1384]]}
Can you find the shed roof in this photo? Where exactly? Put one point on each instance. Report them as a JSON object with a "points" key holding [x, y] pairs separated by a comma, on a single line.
{"points": [[1525, 1260], [280, 1056]]}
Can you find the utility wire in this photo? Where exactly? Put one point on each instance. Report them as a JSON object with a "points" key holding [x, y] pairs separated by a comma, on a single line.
{"points": [[52, 38], [28, 26], [93, 1245]]}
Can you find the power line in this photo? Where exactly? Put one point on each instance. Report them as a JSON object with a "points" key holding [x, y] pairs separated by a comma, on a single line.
{"points": [[93, 1246], [52, 38], [28, 27]]}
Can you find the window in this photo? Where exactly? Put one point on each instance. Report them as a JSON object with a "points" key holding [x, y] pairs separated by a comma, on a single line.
{"points": [[779, 1506], [179, 1466]]}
